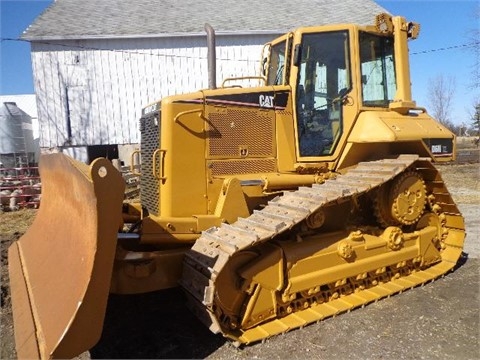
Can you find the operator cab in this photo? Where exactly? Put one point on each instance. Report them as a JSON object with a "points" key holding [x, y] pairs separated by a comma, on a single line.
{"points": [[322, 66]]}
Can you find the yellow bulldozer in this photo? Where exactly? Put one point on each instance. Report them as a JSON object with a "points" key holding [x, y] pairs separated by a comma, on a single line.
{"points": [[273, 206]]}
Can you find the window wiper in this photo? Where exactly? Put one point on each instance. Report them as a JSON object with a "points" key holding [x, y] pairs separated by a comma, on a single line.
{"points": [[278, 76]]}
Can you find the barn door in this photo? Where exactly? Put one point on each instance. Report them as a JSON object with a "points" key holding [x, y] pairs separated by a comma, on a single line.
{"points": [[78, 126]]}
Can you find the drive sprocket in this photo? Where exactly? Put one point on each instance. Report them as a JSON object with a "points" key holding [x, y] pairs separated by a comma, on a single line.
{"points": [[401, 201]]}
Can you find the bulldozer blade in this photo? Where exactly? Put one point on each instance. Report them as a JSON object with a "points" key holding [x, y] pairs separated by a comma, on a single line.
{"points": [[60, 270]]}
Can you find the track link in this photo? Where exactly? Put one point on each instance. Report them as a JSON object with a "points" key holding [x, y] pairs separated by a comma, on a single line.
{"points": [[216, 246]]}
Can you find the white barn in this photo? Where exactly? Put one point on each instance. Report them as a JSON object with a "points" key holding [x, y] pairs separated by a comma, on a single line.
{"points": [[96, 63]]}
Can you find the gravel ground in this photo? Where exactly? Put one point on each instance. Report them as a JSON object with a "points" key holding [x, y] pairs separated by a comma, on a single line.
{"points": [[437, 321]]}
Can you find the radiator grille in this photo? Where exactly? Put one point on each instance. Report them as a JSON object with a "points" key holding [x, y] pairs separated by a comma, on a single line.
{"points": [[244, 166], [150, 141], [236, 129]]}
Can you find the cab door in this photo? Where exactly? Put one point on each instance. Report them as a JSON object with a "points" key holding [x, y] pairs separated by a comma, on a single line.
{"points": [[323, 82]]}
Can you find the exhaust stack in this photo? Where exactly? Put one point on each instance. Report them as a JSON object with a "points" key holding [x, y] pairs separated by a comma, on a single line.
{"points": [[212, 56]]}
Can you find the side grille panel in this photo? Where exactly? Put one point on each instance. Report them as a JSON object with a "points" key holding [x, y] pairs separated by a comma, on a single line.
{"points": [[237, 133], [250, 166]]}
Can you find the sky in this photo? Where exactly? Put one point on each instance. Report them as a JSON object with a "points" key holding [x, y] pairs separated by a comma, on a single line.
{"points": [[444, 25]]}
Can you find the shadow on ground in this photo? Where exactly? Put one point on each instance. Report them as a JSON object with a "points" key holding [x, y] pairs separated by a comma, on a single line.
{"points": [[159, 325], [156, 325]]}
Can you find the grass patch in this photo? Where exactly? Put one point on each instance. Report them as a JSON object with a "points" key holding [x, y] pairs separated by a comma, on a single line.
{"points": [[16, 222]]}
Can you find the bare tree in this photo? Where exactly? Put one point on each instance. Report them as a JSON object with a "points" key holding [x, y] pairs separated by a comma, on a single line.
{"points": [[440, 97], [474, 36], [475, 116]]}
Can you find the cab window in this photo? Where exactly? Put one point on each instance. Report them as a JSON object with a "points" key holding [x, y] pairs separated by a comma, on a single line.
{"points": [[277, 64], [378, 69]]}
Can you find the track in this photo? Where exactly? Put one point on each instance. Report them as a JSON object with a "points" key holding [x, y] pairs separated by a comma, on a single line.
{"points": [[214, 251]]}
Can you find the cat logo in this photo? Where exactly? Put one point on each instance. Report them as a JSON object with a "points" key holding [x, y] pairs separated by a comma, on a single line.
{"points": [[265, 101]]}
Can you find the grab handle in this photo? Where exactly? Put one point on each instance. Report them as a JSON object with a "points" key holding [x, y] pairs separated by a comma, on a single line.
{"points": [[161, 164], [132, 163]]}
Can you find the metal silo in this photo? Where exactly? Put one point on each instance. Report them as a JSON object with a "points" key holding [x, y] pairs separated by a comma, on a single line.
{"points": [[16, 136]]}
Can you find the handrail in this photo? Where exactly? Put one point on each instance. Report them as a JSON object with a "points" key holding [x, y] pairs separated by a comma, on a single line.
{"points": [[180, 114], [245, 78]]}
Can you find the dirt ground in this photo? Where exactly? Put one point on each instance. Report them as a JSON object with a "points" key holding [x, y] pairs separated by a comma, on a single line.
{"points": [[437, 321]]}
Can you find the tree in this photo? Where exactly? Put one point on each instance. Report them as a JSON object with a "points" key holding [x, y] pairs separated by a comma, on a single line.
{"points": [[474, 36], [476, 118], [440, 97]]}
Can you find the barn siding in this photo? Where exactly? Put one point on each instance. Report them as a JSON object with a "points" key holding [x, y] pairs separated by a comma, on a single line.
{"points": [[105, 83]]}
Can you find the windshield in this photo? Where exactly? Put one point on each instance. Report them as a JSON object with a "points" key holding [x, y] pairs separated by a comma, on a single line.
{"points": [[378, 69], [323, 79], [277, 64]]}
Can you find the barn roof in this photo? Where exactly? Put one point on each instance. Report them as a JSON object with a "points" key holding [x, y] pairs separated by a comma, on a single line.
{"points": [[74, 19]]}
